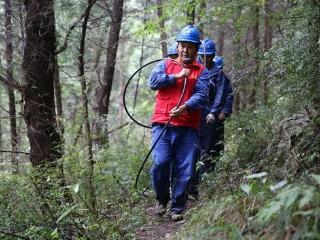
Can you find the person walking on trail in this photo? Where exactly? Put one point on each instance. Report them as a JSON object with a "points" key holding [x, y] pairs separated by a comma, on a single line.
{"points": [[177, 149], [173, 51], [221, 108], [211, 131]]}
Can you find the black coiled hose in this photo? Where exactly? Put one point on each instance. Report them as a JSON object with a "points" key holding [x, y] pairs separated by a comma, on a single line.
{"points": [[145, 126]]}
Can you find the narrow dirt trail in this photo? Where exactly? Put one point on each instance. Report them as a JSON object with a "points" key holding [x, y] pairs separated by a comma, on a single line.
{"points": [[159, 228]]}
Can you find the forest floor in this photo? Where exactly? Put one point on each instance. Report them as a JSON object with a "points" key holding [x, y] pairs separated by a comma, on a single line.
{"points": [[162, 228]]}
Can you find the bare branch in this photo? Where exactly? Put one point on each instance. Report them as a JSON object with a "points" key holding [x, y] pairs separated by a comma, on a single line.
{"points": [[66, 39], [10, 84], [107, 8], [118, 128], [26, 153]]}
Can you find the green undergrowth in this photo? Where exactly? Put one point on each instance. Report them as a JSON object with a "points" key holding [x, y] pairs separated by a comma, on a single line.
{"points": [[266, 185], [258, 210], [40, 206]]}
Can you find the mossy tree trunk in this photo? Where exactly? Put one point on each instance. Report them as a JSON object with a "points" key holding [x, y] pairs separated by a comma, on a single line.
{"points": [[38, 66]]}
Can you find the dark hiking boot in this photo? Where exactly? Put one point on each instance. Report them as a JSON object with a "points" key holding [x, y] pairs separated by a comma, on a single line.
{"points": [[160, 209], [176, 217], [194, 196]]}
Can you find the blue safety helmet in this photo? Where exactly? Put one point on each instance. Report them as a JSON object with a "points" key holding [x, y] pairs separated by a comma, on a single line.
{"points": [[189, 34], [218, 62], [173, 49], [207, 47]]}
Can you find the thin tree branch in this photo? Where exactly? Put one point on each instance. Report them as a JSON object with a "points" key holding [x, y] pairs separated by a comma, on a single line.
{"points": [[26, 153], [118, 128], [11, 84], [107, 8], [66, 39]]}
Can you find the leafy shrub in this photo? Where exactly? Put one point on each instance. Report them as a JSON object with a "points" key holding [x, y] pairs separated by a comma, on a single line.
{"points": [[295, 209]]}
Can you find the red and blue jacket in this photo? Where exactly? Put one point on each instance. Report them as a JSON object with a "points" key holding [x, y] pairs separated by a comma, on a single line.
{"points": [[169, 91]]}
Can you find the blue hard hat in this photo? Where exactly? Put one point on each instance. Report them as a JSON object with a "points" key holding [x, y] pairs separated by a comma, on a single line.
{"points": [[189, 34], [173, 49], [218, 62], [207, 47]]}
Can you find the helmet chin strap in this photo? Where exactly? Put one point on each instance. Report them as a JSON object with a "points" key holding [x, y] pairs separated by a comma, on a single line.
{"points": [[204, 55]]}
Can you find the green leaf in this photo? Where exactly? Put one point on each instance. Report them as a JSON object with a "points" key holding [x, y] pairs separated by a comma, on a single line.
{"points": [[289, 196], [305, 213], [256, 175], [54, 234], [278, 185], [76, 188], [282, 201], [66, 212], [316, 177], [246, 188], [307, 197]]}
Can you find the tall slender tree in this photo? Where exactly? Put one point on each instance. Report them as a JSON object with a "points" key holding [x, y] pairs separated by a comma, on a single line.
{"points": [[58, 96], [201, 14], [163, 36], [238, 90], [87, 130], [104, 91], [9, 73], [313, 61], [191, 11], [256, 45], [267, 40], [1, 139], [221, 40]]}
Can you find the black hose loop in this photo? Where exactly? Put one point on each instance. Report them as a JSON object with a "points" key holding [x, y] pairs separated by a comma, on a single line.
{"points": [[125, 91], [145, 126]]}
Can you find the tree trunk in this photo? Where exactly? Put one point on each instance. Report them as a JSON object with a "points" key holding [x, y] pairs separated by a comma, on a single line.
{"points": [[58, 96], [163, 36], [22, 40], [139, 75], [9, 73], [221, 40], [21, 19], [104, 91], [314, 53], [191, 11], [121, 106], [38, 65], [57, 93], [238, 64], [255, 40], [1, 139], [87, 130], [267, 45], [237, 101], [201, 13], [141, 59]]}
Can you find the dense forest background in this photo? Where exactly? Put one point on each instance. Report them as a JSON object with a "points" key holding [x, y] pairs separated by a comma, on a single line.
{"points": [[70, 154]]}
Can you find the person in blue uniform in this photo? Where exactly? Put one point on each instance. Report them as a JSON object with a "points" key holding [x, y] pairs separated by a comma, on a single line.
{"points": [[173, 51], [211, 131], [175, 154]]}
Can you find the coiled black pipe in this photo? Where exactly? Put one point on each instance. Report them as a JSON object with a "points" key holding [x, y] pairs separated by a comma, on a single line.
{"points": [[145, 126], [125, 91]]}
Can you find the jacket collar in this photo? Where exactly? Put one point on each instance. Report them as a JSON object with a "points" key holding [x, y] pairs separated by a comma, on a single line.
{"points": [[193, 64]]}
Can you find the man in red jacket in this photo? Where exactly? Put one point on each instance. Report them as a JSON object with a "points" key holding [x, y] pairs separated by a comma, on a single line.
{"points": [[175, 155]]}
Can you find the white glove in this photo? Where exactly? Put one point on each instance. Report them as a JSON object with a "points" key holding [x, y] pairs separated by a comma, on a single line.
{"points": [[210, 118]]}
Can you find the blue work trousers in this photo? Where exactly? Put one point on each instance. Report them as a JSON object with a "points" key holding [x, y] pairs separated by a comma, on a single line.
{"points": [[174, 159], [212, 146]]}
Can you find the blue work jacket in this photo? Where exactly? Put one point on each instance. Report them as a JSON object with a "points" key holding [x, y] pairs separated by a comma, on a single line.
{"points": [[221, 92]]}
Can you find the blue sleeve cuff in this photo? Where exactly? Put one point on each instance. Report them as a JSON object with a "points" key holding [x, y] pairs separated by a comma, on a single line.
{"points": [[171, 79]]}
